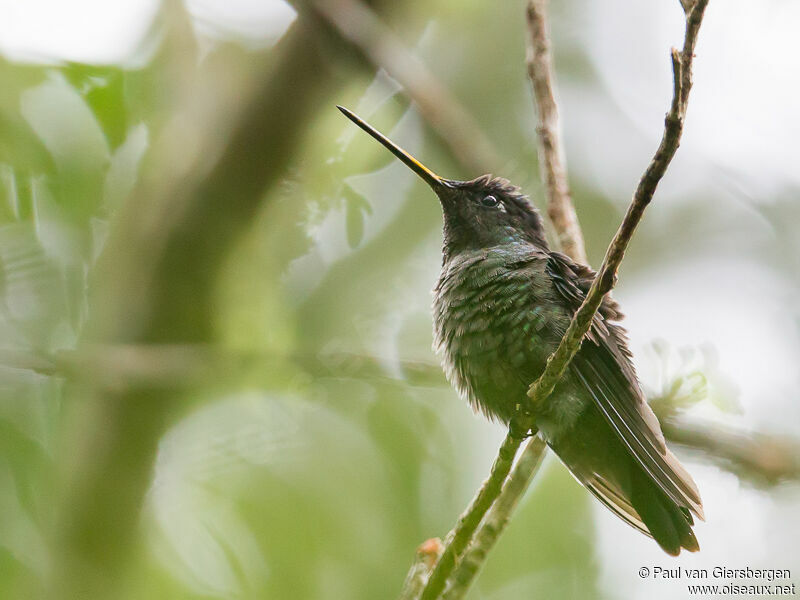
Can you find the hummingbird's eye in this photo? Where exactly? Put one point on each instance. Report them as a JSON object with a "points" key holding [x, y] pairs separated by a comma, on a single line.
{"points": [[489, 201]]}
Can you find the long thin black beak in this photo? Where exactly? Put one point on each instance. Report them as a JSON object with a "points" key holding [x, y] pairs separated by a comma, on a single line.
{"points": [[431, 178]]}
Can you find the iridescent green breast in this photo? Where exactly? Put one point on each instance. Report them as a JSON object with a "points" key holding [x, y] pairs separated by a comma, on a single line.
{"points": [[495, 322]]}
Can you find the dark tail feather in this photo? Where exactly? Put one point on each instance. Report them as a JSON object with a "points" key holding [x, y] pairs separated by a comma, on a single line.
{"points": [[667, 523]]}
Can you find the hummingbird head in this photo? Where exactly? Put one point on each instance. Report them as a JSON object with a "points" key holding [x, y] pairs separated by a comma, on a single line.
{"points": [[480, 213]]}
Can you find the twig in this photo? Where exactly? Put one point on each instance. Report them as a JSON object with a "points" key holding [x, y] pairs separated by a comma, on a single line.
{"points": [[496, 521], [468, 522], [606, 276], [440, 109], [552, 163]]}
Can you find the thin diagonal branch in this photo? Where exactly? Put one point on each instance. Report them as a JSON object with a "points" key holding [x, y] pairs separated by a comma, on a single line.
{"points": [[606, 276], [552, 162]]}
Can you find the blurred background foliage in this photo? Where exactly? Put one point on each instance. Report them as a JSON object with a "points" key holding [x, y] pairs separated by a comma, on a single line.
{"points": [[294, 438]]}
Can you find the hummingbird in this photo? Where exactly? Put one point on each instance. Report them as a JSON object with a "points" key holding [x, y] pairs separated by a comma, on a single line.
{"points": [[501, 305]]}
